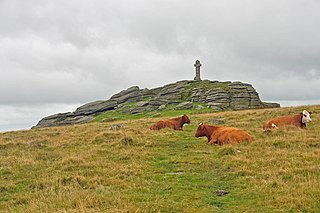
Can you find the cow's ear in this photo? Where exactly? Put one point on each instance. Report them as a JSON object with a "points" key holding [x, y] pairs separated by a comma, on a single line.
{"points": [[301, 113], [310, 113]]}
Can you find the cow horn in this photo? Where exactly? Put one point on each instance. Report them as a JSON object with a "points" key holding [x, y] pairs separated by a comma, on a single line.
{"points": [[200, 123]]}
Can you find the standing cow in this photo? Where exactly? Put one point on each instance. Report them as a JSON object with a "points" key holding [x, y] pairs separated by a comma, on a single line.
{"points": [[299, 120], [175, 123], [222, 135]]}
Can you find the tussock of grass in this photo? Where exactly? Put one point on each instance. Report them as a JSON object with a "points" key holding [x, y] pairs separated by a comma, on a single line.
{"points": [[92, 168]]}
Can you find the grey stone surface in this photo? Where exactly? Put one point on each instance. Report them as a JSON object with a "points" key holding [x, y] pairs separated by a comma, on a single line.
{"points": [[197, 65], [129, 95], [162, 107], [83, 114], [216, 108], [199, 107], [221, 192], [212, 94], [126, 92], [150, 108], [95, 107], [142, 103], [62, 119], [216, 121], [184, 105], [271, 105], [117, 126], [157, 102]]}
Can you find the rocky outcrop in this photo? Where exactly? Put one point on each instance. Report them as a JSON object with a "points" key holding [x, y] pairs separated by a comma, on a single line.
{"points": [[243, 96], [182, 95], [62, 119], [231, 95], [184, 105], [270, 105], [218, 98], [168, 94], [83, 114], [131, 94], [95, 107]]}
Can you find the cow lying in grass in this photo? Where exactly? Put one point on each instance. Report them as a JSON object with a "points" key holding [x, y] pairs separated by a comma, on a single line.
{"points": [[299, 120], [175, 123], [222, 135]]}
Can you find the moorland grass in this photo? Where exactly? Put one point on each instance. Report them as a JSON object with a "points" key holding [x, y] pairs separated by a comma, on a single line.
{"points": [[91, 168]]}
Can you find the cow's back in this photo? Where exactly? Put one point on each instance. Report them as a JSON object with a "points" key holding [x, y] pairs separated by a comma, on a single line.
{"points": [[163, 124], [283, 121], [238, 136], [230, 135], [221, 131]]}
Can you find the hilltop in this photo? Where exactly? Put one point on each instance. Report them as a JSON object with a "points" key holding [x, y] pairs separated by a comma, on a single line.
{"points": [[94, 167], [213, 95]]}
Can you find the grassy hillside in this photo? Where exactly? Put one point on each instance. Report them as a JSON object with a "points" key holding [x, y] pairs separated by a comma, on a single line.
{"points": [[91, 168]]}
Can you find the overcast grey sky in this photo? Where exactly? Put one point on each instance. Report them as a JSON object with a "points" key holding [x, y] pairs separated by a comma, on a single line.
{"points": [[56, 55]]}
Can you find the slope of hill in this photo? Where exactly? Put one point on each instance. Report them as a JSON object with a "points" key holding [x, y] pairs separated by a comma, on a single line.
{"points": [[180, 95], [95, 168]]}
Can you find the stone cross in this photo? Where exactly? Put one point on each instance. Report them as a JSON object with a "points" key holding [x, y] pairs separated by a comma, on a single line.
{"points": [[197, 65]]}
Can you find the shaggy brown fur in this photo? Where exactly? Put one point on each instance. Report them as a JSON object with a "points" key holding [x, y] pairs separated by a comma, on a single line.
{"points": [[175, 123], [222, 135]]}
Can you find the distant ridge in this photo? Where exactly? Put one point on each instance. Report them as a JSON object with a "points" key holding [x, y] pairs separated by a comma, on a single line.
{"points": [[182, 95]]}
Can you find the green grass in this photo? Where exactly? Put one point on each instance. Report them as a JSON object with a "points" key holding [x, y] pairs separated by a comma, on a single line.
{"points": [[118, 115], [206, 85], [91, 168]]}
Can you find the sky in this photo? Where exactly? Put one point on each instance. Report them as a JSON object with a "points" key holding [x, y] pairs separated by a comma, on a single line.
{"points": [[56, 55]]}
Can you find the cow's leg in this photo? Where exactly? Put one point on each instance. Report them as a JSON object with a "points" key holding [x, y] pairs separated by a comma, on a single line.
{"points": [[176, 127], [220, 142], [213, 141]]}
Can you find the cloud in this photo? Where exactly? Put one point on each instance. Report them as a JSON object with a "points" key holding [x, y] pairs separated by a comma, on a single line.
{"points": [[78, 51]]}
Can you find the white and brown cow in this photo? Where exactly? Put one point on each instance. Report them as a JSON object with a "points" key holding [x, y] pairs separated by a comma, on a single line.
{"points": [[300, 120]]}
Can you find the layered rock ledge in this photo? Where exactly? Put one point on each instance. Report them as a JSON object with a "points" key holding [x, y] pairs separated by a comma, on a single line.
{"points": [[182, 95]]}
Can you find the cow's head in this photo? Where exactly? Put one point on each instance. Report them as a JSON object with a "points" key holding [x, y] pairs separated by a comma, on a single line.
{"points": [[305, 116], [201, 131], [185, 119]]}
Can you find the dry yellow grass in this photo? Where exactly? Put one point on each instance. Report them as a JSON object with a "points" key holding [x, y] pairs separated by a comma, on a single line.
{"points": [[91, 168]]}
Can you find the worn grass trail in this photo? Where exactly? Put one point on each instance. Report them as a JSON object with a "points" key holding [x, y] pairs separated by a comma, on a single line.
{"points": [[91, 168]]}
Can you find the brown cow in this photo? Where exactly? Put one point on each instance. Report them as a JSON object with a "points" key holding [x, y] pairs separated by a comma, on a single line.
{"points": [[299, 120], [222, 135], [175, 123]]}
